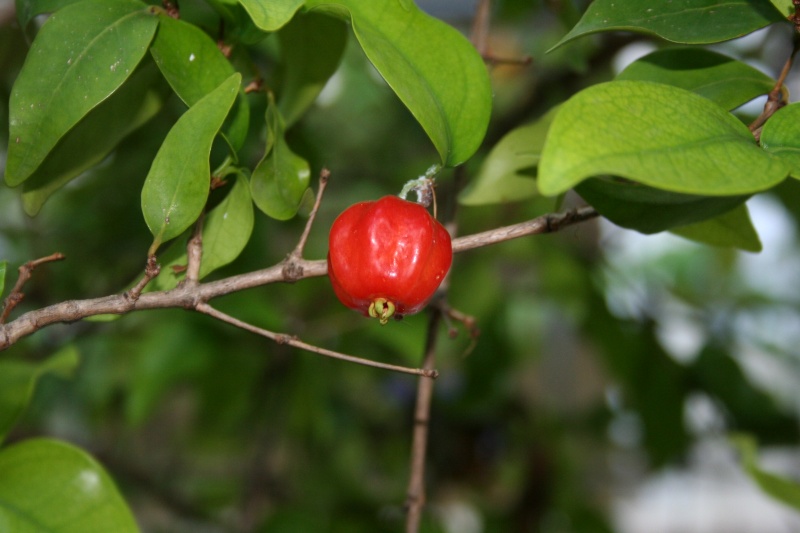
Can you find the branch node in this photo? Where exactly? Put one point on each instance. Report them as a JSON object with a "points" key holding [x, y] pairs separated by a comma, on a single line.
{"points": [[151, 270]]}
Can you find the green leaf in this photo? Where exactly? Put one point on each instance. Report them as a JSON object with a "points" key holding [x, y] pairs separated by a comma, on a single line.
{"points": [[51, 486], [226, 231], [722, 79], [228, 227], [657, 135], [18, 381], [280, 179], [680, 21], [780, 488], [507, 174], [781, 137], [176, 188], [194, 66], [312, 46], [732, 229], [432, 68], [270, 15], [82, 54], [649, 210], [94, 137]]}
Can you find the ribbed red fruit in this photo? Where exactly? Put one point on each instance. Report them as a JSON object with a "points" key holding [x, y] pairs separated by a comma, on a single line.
{"points": [[387, 257]]}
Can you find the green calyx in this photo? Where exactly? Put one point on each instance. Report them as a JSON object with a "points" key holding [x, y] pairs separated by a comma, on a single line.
{"points": [[382, 309]]}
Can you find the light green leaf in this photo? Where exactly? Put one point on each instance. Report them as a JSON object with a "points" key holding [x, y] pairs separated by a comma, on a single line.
{"points": [[650, 210], [727, 82], [780, 136], [733, 229], [654, 134], [82, 54], [18, 381], [94, 137], [311, 47], [782, 489], [51, 486], [280, 179], [432, 68], [194, 66], [227, 228], [786, 7], [270, 15], [176, 188], [507, 174], [680, 21]]}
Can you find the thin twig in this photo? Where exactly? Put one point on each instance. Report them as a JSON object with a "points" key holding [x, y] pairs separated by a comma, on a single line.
{"points": [[151, 270], [25, 271], [324, 175], [184, 297], [415, 495], [293, 341], [776, 98]]}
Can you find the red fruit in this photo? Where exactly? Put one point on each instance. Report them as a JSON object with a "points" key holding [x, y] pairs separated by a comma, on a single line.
{"points": [[387, 257]]}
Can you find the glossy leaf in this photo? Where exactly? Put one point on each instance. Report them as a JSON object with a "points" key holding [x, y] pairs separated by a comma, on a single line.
{"points": [[18, 381], [650, 210], [176, 188], [94, 137], [271, 15], [732, 229], [680, 21], [311, 47], [226, 231], [431, 67], [280, 179], [727, 82], [52, 486], [507, 174], [59, 84], [227, 227], [194, 66], [781, 137], [657, 135], [781, 488]]}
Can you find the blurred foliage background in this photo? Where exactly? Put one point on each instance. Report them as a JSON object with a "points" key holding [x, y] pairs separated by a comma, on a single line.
{"points": [[609, 372]]}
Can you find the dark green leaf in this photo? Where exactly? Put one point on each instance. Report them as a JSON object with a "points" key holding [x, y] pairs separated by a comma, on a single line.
{"points": [[780, 136], [194, 66], [311, 47], [650, 210], [680, 21], [280, 179], [273, 14], [657, 135], [60, 83], [176, 188], [18, 381], [507, 173], [448, 91], [94, 137], [727, 82], [782, 489], [51, 486], [732, 229]]}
